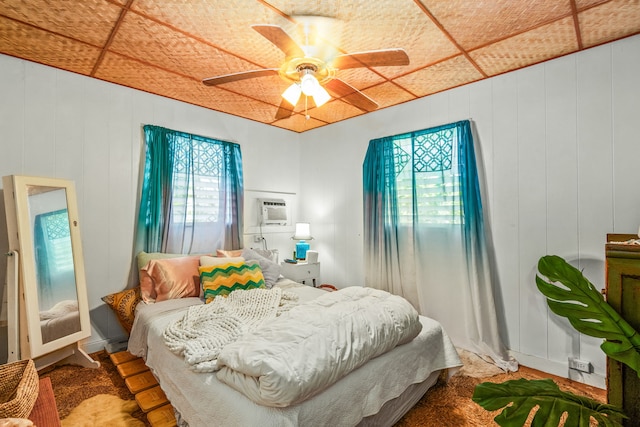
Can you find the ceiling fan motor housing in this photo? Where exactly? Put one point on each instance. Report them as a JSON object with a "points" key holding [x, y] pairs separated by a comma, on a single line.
{"points": [[294, 69]]}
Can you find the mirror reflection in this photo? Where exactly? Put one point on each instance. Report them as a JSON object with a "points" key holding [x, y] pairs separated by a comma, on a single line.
{"points": [[55, 274]]}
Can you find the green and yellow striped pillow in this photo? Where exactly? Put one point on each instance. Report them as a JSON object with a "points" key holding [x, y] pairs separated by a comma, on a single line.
{"points": [[222, 279]]}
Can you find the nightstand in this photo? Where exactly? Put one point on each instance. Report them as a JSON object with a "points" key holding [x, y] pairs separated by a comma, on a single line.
{"points": [[302, 272]]}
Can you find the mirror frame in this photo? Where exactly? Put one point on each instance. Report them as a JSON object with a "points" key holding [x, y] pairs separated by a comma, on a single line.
{"points": [[21, 239]]}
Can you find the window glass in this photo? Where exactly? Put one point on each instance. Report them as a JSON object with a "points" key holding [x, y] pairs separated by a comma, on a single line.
{"points": [[196, 198], [424, 169]]}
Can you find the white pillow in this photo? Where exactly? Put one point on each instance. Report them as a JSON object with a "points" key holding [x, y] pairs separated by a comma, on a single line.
{"points": [[270, 269], [270, 254]]}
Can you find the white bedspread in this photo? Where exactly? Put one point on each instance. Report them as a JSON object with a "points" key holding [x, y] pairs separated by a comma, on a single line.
{"points": [[302, 352], [203, 400]]}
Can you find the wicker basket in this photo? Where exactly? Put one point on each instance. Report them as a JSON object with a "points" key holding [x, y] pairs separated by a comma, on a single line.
{"points": [[19, 386]]}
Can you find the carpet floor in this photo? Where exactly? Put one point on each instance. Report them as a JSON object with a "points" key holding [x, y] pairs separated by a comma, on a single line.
{"points": [[446, 404], [73, 384]]}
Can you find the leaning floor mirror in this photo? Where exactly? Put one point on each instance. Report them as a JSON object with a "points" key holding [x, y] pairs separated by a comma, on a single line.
{"points": [[48, 312]]}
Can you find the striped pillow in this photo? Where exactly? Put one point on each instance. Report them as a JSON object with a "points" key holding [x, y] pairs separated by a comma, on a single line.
{"points": [[222, 279]]}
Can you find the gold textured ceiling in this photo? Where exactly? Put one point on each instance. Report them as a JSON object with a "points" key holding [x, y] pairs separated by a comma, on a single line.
{"points": [[167, 47]]}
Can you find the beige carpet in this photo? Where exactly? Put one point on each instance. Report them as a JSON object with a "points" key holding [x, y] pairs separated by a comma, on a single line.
{"points": [[446, 404]]}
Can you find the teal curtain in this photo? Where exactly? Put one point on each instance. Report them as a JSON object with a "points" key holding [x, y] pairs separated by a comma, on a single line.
{"points": [[424, 233], [381, 218], [191, 198]]}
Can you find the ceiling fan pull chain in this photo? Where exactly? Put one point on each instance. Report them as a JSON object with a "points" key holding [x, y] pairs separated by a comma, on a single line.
{"points": [[306, 114]]}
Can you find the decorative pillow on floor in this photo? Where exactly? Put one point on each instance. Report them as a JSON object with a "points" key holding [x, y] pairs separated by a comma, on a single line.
{"points": [[124, 305], [222, 279]]}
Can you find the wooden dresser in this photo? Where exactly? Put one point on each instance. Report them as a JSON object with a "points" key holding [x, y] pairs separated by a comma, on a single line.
{"points": [[623, 294]]}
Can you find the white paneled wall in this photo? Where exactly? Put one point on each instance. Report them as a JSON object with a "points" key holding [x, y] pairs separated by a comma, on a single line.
{"points": [[559, 144], [59, 124]]}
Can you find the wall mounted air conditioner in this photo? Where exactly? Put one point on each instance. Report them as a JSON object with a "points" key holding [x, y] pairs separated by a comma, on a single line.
{"points": [[273, 211]]}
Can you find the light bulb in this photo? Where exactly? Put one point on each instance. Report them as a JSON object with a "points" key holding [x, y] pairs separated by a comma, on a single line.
{"points": [[309, 84], [292, 94], [321, 96]]}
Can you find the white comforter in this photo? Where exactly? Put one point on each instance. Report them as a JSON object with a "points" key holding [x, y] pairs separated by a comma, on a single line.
{"points": [[204, 330], [315, 344]]}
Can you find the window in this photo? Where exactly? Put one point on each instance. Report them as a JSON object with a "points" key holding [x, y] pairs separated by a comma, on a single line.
{"points": [[196, 187], [427, 183], [192, 194]]}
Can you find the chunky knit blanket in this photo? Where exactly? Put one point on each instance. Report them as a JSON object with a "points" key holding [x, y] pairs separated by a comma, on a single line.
{"points": [[204, 330]]}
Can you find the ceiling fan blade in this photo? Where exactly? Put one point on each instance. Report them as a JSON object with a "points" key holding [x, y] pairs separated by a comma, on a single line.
{"points": [[372, 58], [284, 110], [242, 75], [281, 39], [351, 95]]}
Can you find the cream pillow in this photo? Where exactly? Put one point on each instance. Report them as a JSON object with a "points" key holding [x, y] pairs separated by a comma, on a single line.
{"points": [[212, 260]]}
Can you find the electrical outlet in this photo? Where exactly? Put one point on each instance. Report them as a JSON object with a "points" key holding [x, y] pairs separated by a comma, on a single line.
{"points": [[579, 365]]}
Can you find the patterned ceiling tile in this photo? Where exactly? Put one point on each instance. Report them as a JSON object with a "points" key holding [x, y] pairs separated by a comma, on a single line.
{"points": [[359, 78], [436, 78], [266, 89], [25, 41], [388, 94], [380, 24], [225, 24], [162, 46], [247, 108], [595, 23], [583, 4], [546, 42], [474, 23], [299, 124], [335, 111], [90, 21]]}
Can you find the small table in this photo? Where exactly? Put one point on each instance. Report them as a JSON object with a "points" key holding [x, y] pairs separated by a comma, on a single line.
{"points": [[302, 272]]}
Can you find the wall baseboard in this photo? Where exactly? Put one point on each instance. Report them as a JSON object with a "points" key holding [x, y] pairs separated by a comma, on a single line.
{"points": [[111, 346], [559, 369]]}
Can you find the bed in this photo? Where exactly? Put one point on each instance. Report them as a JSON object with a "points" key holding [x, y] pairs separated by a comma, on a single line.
{"points": [[378, 393]]}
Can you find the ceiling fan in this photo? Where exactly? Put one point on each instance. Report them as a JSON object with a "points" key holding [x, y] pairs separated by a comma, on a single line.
{"points": [[310, 75]]}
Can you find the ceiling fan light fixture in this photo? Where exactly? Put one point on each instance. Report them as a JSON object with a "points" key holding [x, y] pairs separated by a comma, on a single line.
{"points": [[292, 94], [321, 96], [309, 84]]}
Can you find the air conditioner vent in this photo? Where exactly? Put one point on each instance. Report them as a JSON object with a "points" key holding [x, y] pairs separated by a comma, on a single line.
{"points": [[273, 211]]}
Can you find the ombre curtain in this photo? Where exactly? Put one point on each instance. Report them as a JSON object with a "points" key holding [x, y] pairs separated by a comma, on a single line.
{"points": [[191, 198], [433, 250]]}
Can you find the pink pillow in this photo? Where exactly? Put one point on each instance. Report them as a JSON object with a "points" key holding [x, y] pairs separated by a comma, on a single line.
{"points": [[228, 254], [171, 278]]}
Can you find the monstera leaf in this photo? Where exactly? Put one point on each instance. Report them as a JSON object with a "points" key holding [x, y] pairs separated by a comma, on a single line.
{"points": [[586, 309], [523, 395]]}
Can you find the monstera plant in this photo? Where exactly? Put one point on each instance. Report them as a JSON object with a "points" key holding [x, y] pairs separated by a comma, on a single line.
{"points": [[571, 295]]}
